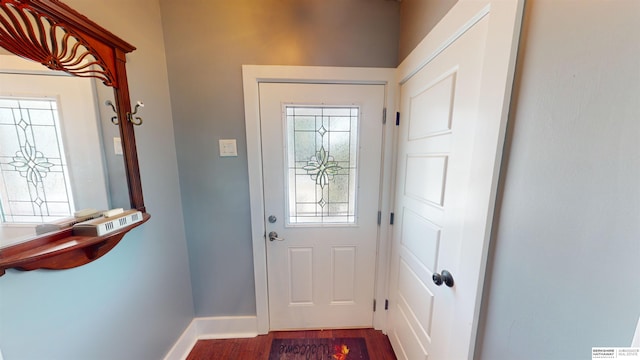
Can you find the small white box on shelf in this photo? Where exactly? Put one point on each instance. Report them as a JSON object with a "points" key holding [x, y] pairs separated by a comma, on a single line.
{"points": [[105, 225]]}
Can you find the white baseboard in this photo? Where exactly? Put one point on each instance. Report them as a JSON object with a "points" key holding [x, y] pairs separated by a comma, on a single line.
{"points": [[185, 343], [218, 327]]}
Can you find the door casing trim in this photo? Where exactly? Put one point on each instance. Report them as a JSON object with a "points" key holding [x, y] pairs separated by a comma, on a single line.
{"points": [[252, 76]]}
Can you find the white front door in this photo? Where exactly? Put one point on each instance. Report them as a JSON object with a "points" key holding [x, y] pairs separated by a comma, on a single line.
{"points": [[453, 114], [321, 158]]}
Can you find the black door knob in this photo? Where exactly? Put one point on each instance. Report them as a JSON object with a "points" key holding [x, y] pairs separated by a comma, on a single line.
{"points": [[437, 279], [444, 277]]}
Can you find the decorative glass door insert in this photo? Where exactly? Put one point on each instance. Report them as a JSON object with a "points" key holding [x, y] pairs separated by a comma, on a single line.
{"points": [[321, 158], [34, 180]]}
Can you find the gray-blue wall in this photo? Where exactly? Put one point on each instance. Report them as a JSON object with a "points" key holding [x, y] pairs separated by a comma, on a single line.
{"points": [[565, 269], [207, 42], [134, 302]]}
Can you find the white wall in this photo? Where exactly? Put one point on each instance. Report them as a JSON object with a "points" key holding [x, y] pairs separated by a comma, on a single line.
{"points": [[135, 301], [564, 274]]}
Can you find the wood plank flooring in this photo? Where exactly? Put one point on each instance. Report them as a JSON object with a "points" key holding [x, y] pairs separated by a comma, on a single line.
{"points": [[257, 348]]}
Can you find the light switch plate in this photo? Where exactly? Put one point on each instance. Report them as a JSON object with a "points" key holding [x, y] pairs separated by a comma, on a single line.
{"points": [[117, 146], [228, 147]]}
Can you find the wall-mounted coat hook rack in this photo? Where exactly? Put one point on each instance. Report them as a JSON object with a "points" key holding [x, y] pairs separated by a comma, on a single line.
{"points": [[135, 120]]}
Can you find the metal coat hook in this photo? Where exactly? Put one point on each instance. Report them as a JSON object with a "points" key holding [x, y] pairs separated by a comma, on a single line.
{"points": [[114, 119], [135, 120]]}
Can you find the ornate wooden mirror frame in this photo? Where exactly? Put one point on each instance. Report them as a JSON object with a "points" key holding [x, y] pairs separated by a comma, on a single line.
{"points": [[60, 38]]}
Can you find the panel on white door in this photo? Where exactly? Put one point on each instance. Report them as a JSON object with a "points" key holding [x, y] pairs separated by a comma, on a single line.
{"points": [[301, 276], [425, 178], [434, 106], [417, 299], [421, 238], [343, 272]]}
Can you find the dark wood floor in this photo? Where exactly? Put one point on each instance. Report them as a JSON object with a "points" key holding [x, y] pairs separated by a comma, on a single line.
{"points": [[257, 348]]}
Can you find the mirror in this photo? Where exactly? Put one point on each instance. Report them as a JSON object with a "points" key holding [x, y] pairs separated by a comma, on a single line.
{"points": [[78, 167], [69, 159]]}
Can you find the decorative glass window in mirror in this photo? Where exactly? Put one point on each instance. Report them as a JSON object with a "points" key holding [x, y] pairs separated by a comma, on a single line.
{"points": [[34, 178], [322, 144], [51, 158]]}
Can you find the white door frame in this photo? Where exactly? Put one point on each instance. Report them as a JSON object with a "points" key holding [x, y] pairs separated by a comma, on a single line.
{"points": [[252, 76]]}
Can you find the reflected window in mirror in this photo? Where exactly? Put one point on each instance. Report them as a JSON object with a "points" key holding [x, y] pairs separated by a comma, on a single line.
{"points": [[51, 156], [34, 177]]}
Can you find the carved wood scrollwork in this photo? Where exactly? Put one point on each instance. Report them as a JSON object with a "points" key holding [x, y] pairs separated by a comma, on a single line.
{"points": [[35, 36]]}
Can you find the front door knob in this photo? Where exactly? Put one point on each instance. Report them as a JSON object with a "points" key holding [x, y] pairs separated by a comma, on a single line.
{"points": [[444, 277], [274, 236]]}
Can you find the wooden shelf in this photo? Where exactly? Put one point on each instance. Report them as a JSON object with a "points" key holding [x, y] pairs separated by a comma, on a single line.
{"points": [[61, 249]]}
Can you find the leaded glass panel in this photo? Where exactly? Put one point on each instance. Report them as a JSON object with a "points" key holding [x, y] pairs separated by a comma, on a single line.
{"points": [[34, 181], [322, 143]]}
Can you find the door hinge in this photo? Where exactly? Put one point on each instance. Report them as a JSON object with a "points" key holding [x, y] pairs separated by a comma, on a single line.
{"points": [[384, 115], [374, 305], [386, 304], [391, 217], [398, 118], [379, 217]]}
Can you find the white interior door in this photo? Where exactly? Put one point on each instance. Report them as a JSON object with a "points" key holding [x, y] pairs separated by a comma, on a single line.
{"points": [[322, 151], [453, 112]]}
